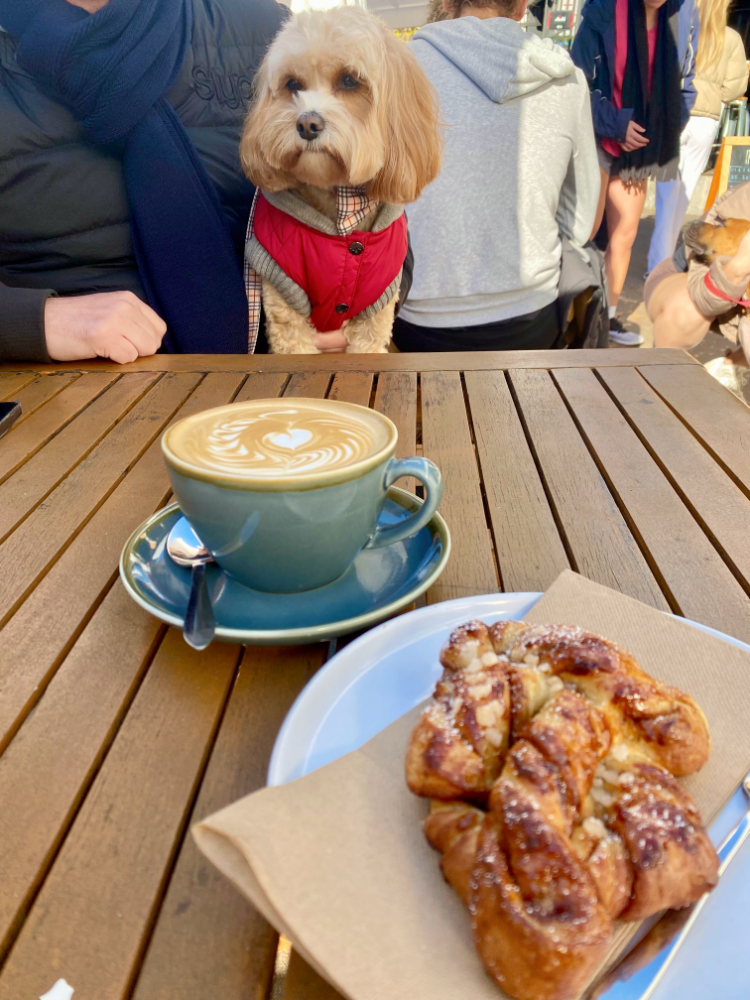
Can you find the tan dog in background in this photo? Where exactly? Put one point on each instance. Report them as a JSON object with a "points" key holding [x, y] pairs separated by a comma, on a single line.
{"points": [[721, 239], [339, 103]]}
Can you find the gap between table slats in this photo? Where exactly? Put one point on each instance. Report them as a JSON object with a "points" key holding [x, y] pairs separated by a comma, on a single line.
{"points": [[713, 497], [63, 728], [101, 895], [206, 933], [37, 637], [10, 383], [528, 543], [40, 391], [21, 494], [598, 540], [22, 442], [29, 551], [681, 556], [446, 439], [716, 417]]}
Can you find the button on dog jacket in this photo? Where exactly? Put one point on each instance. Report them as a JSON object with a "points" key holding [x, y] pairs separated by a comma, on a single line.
{"points": [[341, 275]]}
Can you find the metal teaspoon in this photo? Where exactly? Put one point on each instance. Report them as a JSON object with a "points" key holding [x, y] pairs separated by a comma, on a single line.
{"points": [[186, 549]]}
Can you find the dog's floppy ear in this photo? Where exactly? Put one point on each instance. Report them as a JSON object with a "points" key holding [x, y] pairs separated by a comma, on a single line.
{"points": [[255, 165], [409, 115], [695, 239]]}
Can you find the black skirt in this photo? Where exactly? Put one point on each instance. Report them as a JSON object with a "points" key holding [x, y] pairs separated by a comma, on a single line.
{"points": [[535, 331]]}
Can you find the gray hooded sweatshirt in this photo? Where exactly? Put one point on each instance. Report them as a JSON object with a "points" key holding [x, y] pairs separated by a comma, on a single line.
{"points": [[520, 169]]}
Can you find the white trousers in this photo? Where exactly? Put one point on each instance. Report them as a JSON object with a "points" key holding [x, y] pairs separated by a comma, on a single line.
{"points": [[673, 197]]}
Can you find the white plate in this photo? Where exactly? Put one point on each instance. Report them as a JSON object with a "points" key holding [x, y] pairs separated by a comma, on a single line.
{"points": [[386, 672], [374, 680]]}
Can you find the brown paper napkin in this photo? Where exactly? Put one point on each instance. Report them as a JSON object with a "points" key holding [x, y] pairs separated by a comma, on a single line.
{"points": [[337, 860]]}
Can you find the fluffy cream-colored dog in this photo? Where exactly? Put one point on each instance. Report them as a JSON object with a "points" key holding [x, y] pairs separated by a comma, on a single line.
{"points": [[342, 133]]}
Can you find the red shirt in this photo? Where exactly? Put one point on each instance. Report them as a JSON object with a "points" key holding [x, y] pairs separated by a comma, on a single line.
{"points": [[621, 59], [651, 54]]}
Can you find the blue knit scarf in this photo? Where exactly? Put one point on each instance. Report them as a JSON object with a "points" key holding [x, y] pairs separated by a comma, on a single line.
{"points": [[111, 69]]}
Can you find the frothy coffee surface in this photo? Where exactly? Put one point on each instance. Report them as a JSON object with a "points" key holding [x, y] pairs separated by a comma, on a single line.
{"points": [[271, 439]]}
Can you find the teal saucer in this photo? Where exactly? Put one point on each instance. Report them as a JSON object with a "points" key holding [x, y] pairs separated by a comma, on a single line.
{"points": [[379, 583]]}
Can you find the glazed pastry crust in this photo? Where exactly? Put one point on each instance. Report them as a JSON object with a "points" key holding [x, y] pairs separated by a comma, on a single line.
{"points": [[664, 723], [458, 745], [581, 821]]}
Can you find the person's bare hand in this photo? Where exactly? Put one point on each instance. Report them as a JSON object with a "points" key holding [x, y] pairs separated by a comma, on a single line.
{"points": [[634, 138], [115, 325], [737, 269], [331, 343]]}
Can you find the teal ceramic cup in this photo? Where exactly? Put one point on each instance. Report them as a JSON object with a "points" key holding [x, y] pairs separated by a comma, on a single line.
{"points": [[285, 492]]}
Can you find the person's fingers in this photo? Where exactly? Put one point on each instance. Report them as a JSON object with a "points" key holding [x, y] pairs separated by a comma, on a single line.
{"points": [[118, 349], [134, 323], [125, 334], [154, 319], [639, 128], [143, 340], [146, 317]]}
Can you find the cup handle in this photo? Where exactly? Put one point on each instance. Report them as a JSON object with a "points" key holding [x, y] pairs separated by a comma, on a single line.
{"points": [[429, 474]]}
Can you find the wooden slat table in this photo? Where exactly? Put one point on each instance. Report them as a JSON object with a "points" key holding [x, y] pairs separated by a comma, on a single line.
{"points": [[632, 467]]}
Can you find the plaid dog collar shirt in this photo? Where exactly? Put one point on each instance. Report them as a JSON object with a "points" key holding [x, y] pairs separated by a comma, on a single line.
{"points": [[352, 205]]}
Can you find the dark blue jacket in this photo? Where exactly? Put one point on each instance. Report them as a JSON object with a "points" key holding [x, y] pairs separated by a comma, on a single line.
{"points": [[64, 217], [594, 51]]}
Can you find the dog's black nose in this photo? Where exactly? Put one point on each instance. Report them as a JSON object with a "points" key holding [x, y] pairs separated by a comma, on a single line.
{"points": [[310, 125]]}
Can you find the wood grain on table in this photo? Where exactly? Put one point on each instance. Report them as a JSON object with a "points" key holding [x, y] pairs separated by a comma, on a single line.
{"points": [[334, 363], [630, 467]]}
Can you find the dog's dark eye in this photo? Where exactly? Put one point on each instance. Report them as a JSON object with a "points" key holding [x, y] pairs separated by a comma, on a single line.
{"points": [[348, 82], [293, 86]]}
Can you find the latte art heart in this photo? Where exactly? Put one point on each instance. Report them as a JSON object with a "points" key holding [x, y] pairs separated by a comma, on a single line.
{"points": [[292, 440], [273, 439]]}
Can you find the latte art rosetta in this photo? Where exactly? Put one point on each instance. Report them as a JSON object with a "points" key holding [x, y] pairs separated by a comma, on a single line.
{"points": [[272, 444], [278, 442]]}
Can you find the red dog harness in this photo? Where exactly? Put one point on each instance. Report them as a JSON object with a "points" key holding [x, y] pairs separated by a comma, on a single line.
{"points": [[745, 303], [341, 275]]}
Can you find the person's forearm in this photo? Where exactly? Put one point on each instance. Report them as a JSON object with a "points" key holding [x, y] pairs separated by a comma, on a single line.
{"points": [[22, 336], [737, 274], [728, 280]]}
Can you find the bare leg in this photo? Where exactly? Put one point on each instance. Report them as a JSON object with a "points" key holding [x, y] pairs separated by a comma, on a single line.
{"points": [[624, 206], [677, 323]]}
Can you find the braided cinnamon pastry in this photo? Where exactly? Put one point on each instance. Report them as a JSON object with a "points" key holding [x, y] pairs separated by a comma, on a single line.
{"points": [[458, 745], [662, 722], [584, 824]]}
